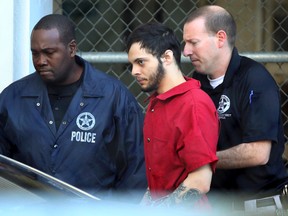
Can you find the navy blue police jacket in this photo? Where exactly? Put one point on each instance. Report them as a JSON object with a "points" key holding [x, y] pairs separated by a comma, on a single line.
{"points": [[99, 144]]}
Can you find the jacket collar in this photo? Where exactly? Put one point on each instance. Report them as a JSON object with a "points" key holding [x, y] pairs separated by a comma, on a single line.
{"points": [[177, 90], [91, 87], [232, 69]]}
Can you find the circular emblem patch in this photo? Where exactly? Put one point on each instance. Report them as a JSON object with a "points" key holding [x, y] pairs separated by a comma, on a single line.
{"points": [[224, 104], [85, 121]]}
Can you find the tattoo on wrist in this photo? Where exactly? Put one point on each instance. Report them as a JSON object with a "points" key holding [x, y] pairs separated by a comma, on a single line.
{"points": [[177, 197], [190, 196]]}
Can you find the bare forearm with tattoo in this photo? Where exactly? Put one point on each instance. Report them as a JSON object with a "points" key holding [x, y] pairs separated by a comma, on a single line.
{"points": [[181, 196]]}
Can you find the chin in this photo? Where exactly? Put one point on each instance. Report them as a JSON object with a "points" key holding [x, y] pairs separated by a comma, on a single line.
{"points": [[148, 89], [144, 90]]}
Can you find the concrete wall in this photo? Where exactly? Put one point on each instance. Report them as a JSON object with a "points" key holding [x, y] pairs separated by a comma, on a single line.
{"points": [[17, 18]]}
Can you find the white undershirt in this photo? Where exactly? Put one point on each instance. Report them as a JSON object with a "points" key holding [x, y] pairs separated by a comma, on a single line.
{"points": [[215, 82]]}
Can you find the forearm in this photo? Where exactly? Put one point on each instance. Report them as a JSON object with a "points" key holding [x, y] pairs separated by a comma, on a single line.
{"points": [[181, 196], [231, 159], [191, 190], [244, 155]]}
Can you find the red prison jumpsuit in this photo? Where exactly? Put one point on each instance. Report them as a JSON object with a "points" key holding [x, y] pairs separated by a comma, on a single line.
{"points": [[180, 135]]}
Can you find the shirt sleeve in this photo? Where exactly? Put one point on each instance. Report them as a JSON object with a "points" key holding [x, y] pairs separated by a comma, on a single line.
{"points": [[200, 142], [5, 145], [260, 106], [129, 152]]}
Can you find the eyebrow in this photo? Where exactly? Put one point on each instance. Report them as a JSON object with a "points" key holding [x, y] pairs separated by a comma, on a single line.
{"points": [[140, 58], [44, 49], [137, 59]]}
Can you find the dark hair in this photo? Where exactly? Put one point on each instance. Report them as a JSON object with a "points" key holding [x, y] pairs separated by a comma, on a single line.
{"points": [[155, 38], [64, 26], [216, 18]]}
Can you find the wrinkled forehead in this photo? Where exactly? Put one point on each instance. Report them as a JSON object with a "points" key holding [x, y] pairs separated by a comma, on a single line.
{"points": [[194, 28], [45, 34], [45, 38]]}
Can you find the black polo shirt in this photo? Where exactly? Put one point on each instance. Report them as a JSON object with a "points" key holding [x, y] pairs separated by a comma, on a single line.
{"points": [[60, 97], [248, 104]]}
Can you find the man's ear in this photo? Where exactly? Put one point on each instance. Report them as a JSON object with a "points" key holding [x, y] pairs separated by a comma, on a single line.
{"points": [[72, 47], [167, 56], [221, 37]]}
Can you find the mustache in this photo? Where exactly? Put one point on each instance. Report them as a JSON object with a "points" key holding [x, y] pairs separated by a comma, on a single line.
{"points": [[140, 79], [44, 70]]}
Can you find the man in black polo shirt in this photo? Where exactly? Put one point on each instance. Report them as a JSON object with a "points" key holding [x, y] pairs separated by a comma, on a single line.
{"points": [[251, 141]]}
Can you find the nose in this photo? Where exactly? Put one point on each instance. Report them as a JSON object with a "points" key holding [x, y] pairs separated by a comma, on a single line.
{"points": [[135, 70], [187, 50], [39, 59]]}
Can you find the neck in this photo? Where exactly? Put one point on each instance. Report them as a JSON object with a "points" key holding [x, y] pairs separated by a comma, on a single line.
{"points": [[222, 65], [77, 71], [170, 80]]}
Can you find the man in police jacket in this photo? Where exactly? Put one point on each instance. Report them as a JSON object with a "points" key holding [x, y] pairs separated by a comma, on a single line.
{"points": [[71, 120]]}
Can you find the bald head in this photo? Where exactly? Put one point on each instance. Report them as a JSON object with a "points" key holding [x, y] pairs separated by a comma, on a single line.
{"points": [[63, 24], [216, 19]]}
